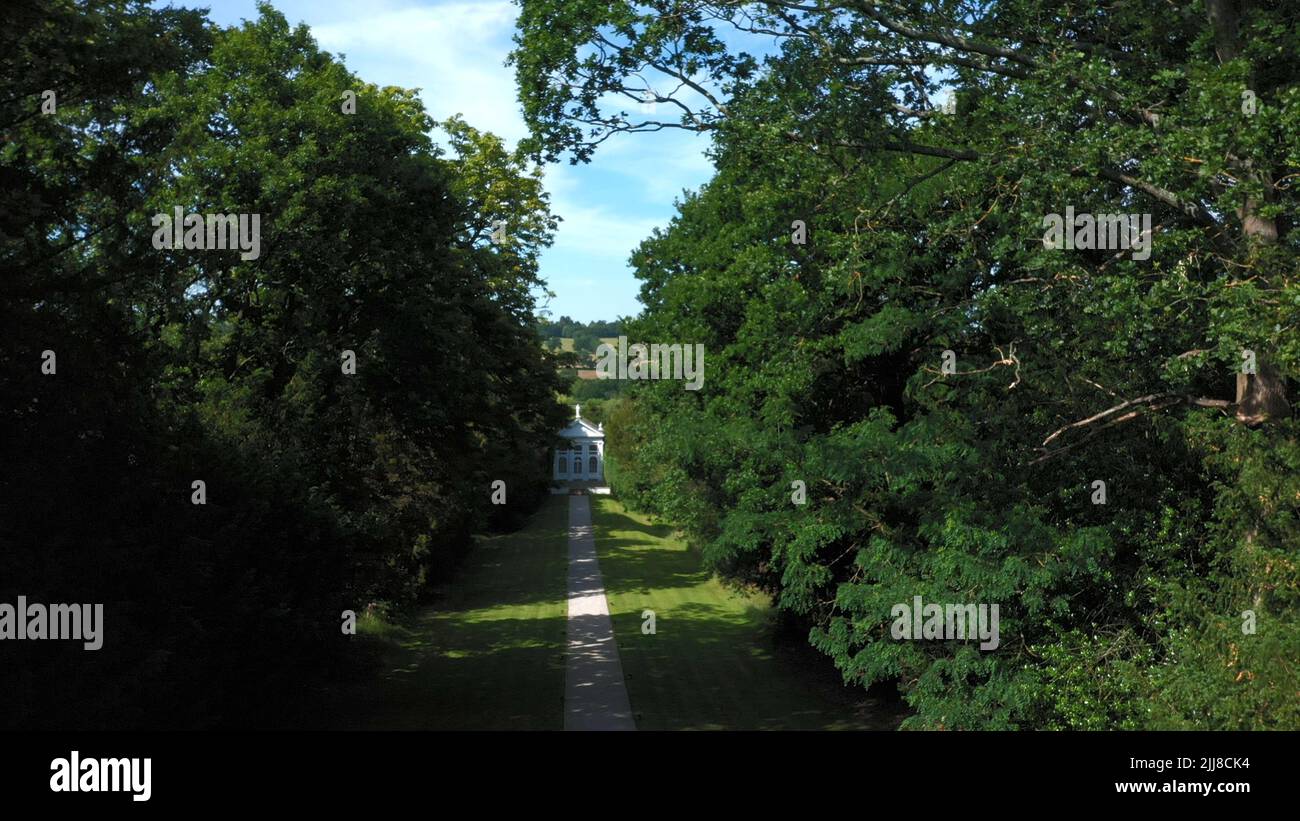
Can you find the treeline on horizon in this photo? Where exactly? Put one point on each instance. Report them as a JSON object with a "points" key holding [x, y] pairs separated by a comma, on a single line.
{"points": [[586, 336], [1173, 604], [325, 491]]}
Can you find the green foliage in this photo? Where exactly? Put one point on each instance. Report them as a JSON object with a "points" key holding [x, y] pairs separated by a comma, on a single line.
{"points": [[590, 390], [326, 490], [925, 235]]}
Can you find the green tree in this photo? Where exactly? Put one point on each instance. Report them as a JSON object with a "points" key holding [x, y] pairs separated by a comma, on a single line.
{"points": [[925, 227], [327, 487]]}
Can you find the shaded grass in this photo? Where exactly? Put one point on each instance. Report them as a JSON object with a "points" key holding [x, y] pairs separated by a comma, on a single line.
{"points": [[489, 652], [716, 660]]}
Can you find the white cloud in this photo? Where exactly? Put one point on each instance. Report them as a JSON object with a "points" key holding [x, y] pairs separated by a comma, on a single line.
{"points": [[454, 52], [660, 164], [599, 231], [609, 207]]}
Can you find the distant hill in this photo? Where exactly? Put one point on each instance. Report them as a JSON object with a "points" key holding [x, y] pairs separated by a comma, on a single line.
{"points": [[566, 335]]}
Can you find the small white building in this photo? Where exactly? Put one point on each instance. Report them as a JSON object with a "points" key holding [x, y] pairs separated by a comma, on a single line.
{"points": [[583, 460]]}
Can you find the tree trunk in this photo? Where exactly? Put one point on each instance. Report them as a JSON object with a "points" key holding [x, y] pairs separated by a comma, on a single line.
{"points": [[1225, 19]]}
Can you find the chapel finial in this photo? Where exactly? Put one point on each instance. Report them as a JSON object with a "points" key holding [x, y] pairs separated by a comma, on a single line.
{"points": [[577, 411]]}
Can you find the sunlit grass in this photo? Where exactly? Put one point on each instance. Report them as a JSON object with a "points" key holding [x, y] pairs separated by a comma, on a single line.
{"points": [[488, 654], [715, 661]]}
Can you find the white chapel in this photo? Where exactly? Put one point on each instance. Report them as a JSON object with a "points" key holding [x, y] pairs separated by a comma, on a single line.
{"points": [[583, 459]]}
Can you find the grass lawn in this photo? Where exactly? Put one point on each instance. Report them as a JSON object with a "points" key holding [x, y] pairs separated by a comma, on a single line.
{"points": [[715, 661], [489, 653]]}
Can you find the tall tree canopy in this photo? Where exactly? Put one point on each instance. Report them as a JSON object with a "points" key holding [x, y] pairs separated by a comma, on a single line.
{"points": [[925, 234], [348, 394]]}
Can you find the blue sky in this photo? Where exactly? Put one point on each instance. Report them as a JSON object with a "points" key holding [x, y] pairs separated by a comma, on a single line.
{"points": [[454, 50]]}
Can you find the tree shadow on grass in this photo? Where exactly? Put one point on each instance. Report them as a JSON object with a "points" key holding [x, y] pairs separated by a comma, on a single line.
{"points": [[635, 564], [485, 653], [518, 569], [718, 659], [454, 673], [707, 667]]}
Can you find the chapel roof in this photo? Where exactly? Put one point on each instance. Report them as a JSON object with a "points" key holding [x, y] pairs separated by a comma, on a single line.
{"points": [[579, 428]]}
